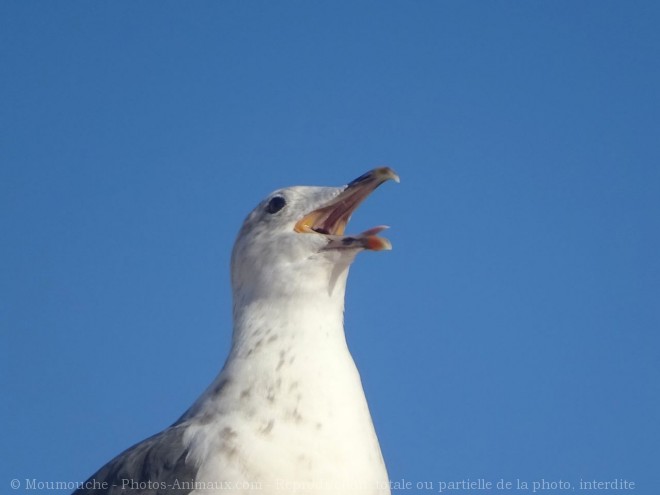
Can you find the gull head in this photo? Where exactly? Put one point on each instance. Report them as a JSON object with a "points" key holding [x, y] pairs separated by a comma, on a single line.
{"points": [[294, 240]]}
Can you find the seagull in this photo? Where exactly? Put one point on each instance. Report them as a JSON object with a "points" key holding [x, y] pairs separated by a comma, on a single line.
{"points": [[287, 413]]}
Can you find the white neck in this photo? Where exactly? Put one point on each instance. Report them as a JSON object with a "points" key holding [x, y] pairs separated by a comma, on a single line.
{"points": [[296, 394]]}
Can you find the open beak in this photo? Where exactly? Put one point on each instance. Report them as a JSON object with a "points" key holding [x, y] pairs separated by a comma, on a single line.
{"points": [[331, 219]]}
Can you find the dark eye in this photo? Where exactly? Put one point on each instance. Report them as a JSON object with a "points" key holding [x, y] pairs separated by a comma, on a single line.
{"points": [[276, 204]]}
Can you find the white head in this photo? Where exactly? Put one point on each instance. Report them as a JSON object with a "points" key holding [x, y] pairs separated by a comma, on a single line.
{"points": [[294, 239]]}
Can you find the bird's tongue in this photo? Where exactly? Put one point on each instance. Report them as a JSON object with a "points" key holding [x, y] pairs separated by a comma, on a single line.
{"points": [[365, 240]]}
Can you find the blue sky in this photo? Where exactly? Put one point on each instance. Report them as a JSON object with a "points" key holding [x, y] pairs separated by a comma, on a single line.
{"points": [[513, 332]]}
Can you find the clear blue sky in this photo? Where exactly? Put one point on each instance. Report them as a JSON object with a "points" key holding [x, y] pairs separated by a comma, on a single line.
{"points": [[513, 332]]}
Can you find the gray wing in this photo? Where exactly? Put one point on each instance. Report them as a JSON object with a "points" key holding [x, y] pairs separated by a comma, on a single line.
{"points": [[155, 466]]}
